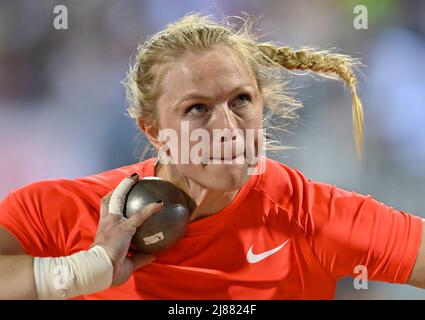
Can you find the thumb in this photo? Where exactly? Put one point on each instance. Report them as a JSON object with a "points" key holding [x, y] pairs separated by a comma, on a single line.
{"points": [[142, 259], [136, 220]]}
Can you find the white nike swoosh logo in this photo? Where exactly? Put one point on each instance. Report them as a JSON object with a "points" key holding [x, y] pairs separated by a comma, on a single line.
{"points": [[254, 258]]}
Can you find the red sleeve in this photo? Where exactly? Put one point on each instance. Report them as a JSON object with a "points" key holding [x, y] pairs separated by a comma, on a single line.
{"points": [[22, 213], [346, 229]]}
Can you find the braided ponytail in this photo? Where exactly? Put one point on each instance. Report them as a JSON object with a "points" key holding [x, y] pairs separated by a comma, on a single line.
{"points": [[326, 64]]}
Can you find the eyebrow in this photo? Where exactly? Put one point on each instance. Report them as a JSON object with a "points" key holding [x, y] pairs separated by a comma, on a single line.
{"points": [[194, 95]]}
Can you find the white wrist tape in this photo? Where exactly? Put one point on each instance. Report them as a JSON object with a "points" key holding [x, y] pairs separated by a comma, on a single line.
{"points": [[81, 273]]}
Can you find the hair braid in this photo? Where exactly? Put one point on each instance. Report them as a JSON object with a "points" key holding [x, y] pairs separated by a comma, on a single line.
{"points": [[323, 63]]}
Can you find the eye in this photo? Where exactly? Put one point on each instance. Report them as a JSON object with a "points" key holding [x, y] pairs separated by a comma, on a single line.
{"points": [[241, 100], [196, 109]]}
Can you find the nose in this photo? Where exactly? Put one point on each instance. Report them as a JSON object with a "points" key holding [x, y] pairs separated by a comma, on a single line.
{"points": [[227, 141], [225, 120], [225, 124]]}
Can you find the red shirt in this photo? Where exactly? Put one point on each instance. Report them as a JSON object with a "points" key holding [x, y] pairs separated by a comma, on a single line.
{"points": [[282, 237]]}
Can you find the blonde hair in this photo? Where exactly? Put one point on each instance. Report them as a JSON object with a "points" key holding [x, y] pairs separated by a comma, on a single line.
{"points": [[197, 32]]}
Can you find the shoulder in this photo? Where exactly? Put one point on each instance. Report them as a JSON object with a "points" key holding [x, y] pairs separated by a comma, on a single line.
{"points": [[97, 184], [281, 183], [294, 192], [60, 198], [57, 214]]}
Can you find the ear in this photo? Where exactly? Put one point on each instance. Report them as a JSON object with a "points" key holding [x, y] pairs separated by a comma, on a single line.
{"points": [[151, 133]]}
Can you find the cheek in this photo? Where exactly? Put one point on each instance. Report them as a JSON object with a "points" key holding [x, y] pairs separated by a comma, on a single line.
{"points": [[169, 129], [259, 115], [168, 122], [253, 116]]}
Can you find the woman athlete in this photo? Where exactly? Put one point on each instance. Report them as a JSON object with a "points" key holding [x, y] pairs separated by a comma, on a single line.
{"points": [[270, 235]]}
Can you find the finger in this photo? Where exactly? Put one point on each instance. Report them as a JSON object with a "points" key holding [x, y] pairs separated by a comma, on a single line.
{"points": [[116, 204], [140, 260], [104, 205], [144, 213]]}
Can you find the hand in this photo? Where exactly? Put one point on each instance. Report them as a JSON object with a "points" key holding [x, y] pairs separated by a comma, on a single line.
{"points": [[114, 231]]}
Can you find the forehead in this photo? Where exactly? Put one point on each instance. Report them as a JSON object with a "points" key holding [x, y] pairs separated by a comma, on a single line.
{"points": [[212, 72]]}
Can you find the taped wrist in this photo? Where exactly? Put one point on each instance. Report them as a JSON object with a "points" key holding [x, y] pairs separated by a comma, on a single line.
{"points": [[84, 272]]}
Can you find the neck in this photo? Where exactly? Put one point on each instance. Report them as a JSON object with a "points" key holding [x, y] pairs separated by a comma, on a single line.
{"points": [[208, 201]]}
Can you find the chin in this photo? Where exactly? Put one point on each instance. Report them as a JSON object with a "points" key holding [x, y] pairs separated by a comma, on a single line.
{"points": [[223, 177]]}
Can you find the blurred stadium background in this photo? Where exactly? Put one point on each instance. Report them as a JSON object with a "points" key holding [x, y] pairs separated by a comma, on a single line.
{"points": [[62, 107]]}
